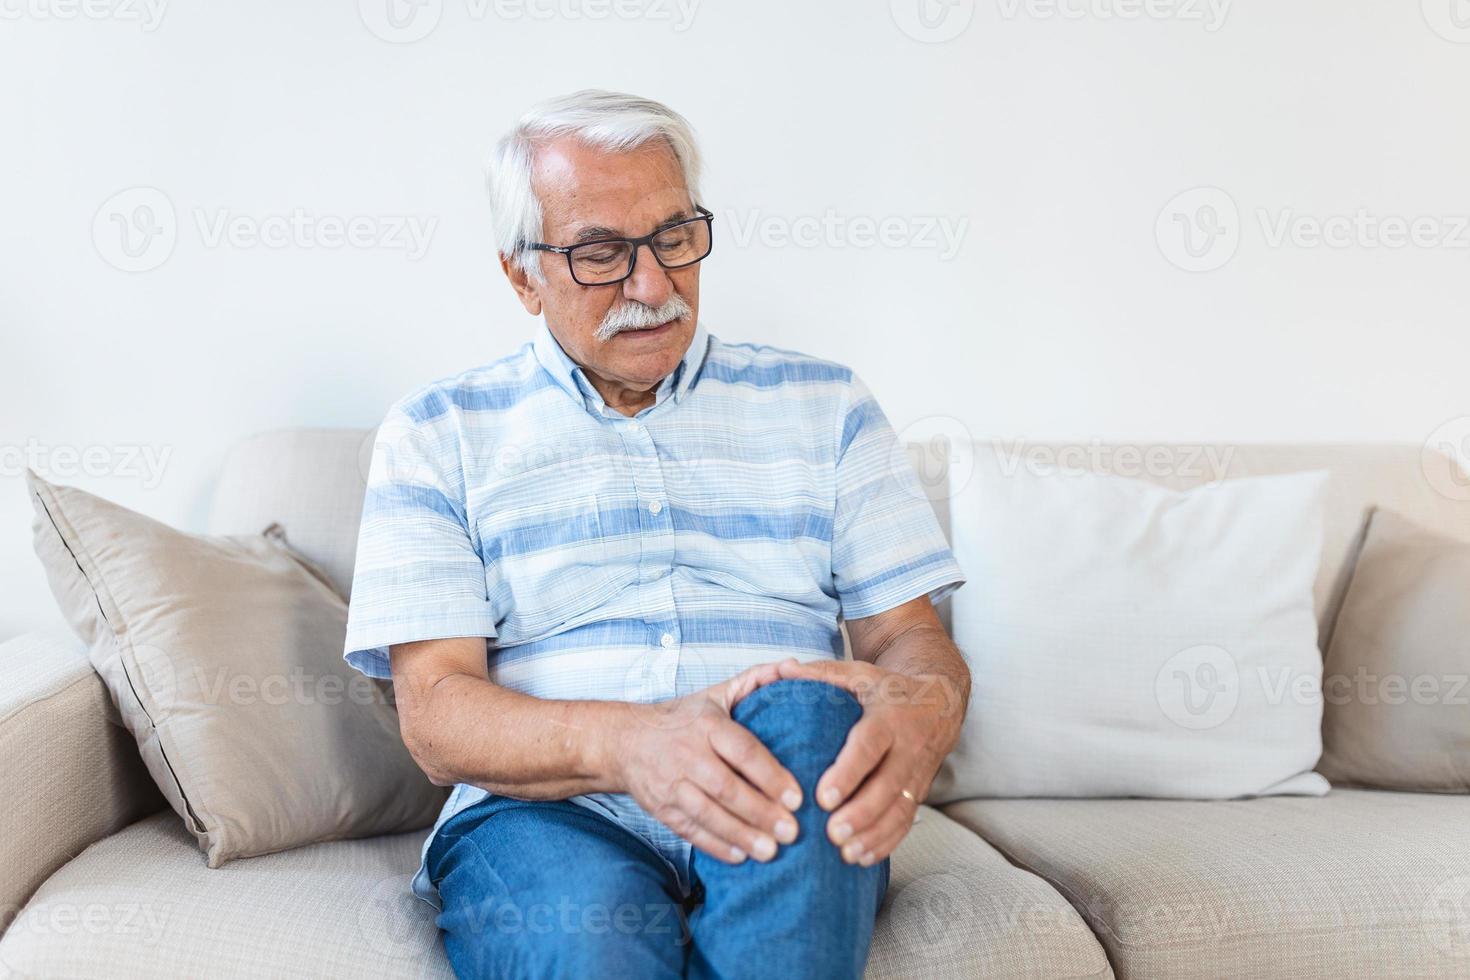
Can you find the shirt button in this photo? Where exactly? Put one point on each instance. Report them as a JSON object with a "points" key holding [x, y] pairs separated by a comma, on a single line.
{"points": [[667, 640], [655, 507], [634, 426]]}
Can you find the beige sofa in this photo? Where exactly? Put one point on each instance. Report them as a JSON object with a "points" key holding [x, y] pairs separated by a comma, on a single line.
{"points": [[102, 880]]}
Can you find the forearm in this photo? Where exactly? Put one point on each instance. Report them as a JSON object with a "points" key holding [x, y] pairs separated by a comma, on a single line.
{"points": [[469, 730]]}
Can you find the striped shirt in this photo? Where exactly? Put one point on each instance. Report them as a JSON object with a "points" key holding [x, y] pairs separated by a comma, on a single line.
{"points": [[762, 498]]}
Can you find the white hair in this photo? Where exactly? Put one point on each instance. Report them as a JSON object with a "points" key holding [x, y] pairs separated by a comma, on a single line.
{"points": [[605, 120]]}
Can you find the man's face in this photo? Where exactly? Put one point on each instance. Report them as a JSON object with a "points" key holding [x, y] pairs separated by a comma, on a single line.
{"points": [[588, 194]]}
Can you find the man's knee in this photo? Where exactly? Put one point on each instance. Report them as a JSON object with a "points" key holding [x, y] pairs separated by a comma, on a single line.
{"points": [[803, 722]]}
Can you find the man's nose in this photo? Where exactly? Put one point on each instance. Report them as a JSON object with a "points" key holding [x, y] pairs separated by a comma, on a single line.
{"points": [[649, 284]]}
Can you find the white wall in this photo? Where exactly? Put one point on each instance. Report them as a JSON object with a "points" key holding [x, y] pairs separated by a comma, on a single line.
{"points": [[1054, 135]]}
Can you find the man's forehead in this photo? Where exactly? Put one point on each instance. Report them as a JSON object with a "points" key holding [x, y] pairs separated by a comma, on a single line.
{"points": [[623, 192]]}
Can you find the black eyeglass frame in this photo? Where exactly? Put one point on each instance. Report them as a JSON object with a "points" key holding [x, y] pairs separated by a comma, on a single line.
{"points": [[704, 214]]}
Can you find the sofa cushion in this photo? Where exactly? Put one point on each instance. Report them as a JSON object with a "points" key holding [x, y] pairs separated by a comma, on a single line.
{"points": [[1155, 626], [1358, 883], [1397, 712], [223, 657], [141, 904]]}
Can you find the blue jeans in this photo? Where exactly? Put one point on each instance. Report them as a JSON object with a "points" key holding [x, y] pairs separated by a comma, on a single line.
{"points": [[553, 889]]}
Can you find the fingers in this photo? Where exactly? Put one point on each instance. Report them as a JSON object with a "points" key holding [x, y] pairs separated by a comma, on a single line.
{"points": [[746, 681], [683, 818], [878, 815], [837, 672], [883, 837], [867, 742], [758, 789], [709, 814]]}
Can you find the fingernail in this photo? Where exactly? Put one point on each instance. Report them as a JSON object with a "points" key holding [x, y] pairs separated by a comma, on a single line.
{"points": [[830, 796], [737, 855], [791, 799], [841, 833], [786, 831], [868, 859], [765, 848], [852, 852]]}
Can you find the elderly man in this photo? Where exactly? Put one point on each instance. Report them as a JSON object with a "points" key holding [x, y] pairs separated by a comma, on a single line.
{"points": [[606, 575]]}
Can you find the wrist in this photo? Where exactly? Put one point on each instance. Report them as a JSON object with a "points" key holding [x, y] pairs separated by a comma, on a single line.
{"points": [[607, 733]]}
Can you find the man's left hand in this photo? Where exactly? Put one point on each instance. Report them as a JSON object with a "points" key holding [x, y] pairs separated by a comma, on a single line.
{"points": [[885, 768]]}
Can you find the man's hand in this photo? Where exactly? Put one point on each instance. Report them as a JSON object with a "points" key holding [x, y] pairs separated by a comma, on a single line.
{"points": [[705, 776], [914, 687], [908, 726]]}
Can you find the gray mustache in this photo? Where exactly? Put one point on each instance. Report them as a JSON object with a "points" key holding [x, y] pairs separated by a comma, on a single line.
{"points": [[637, 316]]}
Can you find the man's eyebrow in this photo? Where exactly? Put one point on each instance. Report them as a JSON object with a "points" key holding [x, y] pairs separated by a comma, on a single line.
{"points": [[596, 233]]}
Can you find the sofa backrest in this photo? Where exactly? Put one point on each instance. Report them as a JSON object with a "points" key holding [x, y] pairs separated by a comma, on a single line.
{"points": [[312, 482]]}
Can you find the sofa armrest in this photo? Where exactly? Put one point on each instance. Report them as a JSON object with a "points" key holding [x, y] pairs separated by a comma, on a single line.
{"points": [[69, 774]]}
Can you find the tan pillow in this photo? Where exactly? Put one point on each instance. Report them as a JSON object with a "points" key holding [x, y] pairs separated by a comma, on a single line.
{"points": [[224, 657], [1397, 675]]}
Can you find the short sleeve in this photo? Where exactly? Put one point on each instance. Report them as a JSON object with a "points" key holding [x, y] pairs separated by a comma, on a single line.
{"points": [[887, 546], [418, 575]]}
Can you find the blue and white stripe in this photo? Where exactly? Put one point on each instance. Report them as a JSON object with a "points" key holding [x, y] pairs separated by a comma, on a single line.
{"points": [[762, 498]]}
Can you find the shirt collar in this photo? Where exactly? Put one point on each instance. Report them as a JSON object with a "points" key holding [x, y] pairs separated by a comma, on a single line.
{"points": [[570, 378]]}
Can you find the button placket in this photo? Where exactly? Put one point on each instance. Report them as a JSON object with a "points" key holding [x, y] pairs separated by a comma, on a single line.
{"points": [[656, 550]]}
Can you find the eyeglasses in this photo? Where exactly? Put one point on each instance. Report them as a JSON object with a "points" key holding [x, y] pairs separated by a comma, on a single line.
{"points": [[611, 260]]}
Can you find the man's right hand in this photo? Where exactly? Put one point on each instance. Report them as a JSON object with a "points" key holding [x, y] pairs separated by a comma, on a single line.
{"points": [[705, 776]]}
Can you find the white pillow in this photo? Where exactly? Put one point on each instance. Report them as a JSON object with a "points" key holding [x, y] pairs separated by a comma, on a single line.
{"points": [[1130, 640]]}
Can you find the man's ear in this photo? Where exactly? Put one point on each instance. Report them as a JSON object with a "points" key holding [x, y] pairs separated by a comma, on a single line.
{"points": [[527, 289]]}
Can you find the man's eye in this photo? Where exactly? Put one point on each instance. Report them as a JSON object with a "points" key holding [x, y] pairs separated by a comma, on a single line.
{"points": [[607, 255]]}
